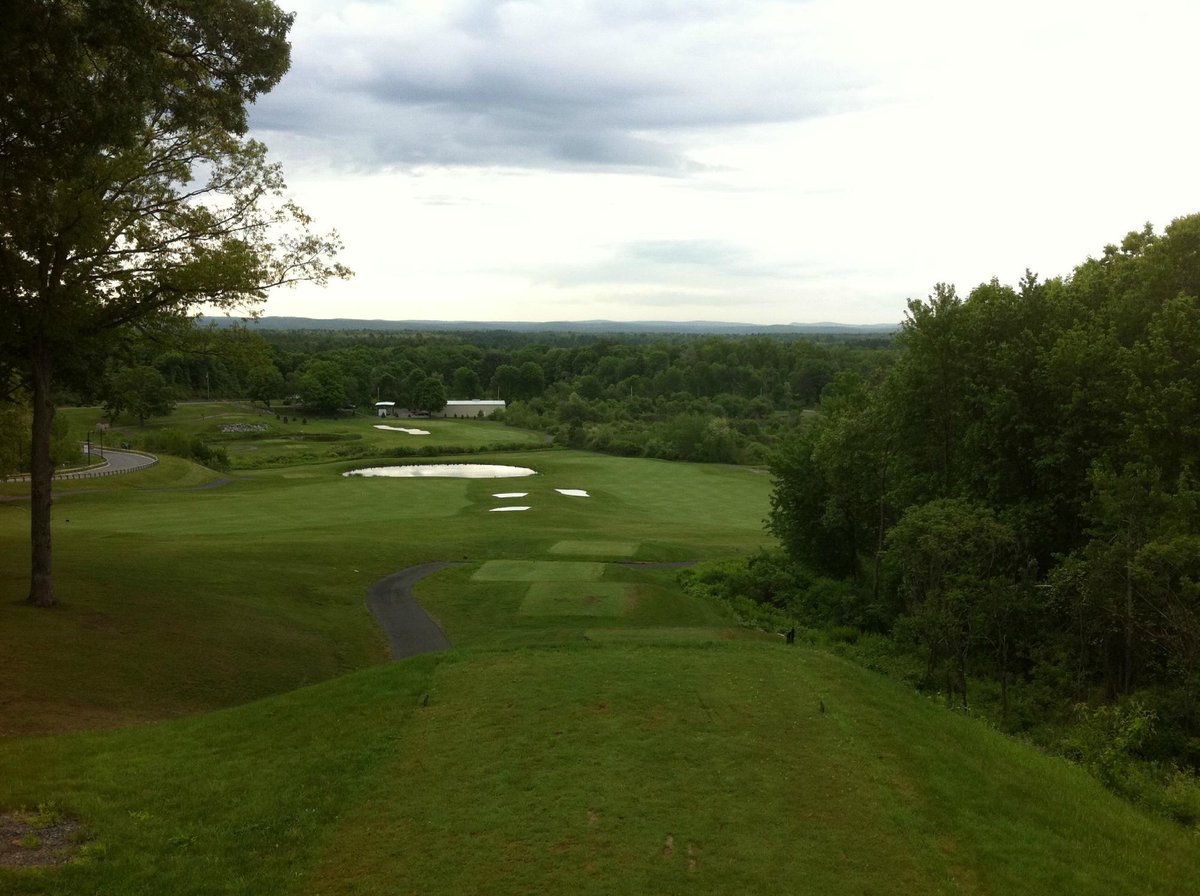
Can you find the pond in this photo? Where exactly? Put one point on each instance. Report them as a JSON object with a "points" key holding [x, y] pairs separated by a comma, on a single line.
{"points": [[446, 471]]}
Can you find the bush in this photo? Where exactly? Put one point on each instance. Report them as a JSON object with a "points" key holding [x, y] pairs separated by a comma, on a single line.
{"points": [[1106, 738], [170, 441]]}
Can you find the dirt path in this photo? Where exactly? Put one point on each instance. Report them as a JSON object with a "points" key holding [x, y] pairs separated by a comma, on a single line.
{"points": [[409, 629]]}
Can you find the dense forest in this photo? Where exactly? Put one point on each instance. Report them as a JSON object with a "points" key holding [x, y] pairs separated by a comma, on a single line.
{"points": [[706, 398], [1014, 501]]}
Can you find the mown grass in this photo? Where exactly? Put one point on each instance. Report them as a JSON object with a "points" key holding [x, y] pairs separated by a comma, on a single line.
{"points": [[228, 802], [569, 606], [180, 597], [596, 730], [714, 770], [588, 769]]}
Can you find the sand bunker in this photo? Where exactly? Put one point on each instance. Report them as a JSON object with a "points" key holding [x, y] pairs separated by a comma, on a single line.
{"points": [[447, 471], [411, 432], [510, 494], [503, 509], [573, 492]]}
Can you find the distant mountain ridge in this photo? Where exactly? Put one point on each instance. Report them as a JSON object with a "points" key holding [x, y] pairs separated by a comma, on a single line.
{"points": [[721, 328]]}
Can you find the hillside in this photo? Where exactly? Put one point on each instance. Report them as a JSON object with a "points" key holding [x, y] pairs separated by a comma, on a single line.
{"points": [[595, 729]]}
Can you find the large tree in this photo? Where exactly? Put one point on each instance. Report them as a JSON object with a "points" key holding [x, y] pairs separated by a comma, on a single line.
{"points": [[129, 192]]}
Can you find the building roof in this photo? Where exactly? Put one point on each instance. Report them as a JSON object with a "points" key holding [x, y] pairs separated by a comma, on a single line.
{"points": [[477, 401]]}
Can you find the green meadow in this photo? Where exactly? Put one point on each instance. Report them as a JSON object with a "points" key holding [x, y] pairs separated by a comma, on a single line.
{"points": [[214, 707]]}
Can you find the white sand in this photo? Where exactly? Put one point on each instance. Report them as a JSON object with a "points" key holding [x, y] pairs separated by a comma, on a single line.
{"points": [[450, 471], [573, 492], [503, 509], [510, 494], [411, 432]]}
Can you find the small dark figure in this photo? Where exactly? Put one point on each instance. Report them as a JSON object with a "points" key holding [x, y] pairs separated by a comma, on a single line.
{"points": [[822, 703], [424, 699], [791, 635]]}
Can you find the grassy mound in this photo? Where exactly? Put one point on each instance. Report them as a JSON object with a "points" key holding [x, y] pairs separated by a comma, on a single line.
{"points": [[614, 769]]}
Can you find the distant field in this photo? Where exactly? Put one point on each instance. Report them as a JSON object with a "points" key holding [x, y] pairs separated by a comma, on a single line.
{"points": [[595, 729], [304, 439]]}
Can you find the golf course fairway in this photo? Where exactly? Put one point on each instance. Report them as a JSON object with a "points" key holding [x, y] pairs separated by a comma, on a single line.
{"points": [[212, 709]]}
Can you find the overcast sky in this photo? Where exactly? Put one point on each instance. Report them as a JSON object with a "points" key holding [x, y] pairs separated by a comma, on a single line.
{"points": [[767, 162]]}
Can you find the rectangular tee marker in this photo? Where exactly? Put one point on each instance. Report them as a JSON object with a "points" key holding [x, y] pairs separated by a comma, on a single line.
{"points": [[595, 548], [538, 571]]}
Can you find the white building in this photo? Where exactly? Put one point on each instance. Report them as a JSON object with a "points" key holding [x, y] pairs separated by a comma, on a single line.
{"points": [[466, 408], [474, 407]]}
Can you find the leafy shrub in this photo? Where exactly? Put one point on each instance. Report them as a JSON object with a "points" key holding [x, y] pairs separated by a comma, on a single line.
{"points": [[1106, 738], [171, 441]]}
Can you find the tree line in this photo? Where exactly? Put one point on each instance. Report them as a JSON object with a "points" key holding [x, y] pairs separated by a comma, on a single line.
{"points": [[1015, 498], [706, 398]]}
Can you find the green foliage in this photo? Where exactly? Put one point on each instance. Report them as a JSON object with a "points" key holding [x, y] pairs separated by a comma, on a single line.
{"points": [[64, 447], [956, 569], [322, 386], [16, 421], [1108, 737], [766, 591], [711, 399], [151, 202], [174, 442], [140, 391], [1017, 491], [430, 396], [265, 384], [465, 384]]}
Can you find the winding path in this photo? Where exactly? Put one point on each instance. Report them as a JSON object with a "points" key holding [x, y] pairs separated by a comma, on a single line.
{"points": [[115, 461], [118, 461], [409, 629]]}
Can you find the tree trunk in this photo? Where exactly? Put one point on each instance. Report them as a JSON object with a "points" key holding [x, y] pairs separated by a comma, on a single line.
{"points": [[41, 474], [1127, 665], [882, 532]]}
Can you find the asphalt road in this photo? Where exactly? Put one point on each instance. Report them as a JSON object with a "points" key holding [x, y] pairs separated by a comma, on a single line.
{"points": [[121, 461], [118, 461], [409, 629]]}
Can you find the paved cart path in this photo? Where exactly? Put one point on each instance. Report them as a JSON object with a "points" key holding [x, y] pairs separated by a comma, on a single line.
{"points": [[115, 461], [409, 629], [120, 461]]}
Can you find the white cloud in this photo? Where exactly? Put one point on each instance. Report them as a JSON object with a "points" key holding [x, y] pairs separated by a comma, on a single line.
{"points": [[772, 161]]}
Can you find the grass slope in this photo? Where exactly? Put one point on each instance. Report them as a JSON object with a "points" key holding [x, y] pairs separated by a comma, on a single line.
{"points": [[588, 769], [595, 730]]}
